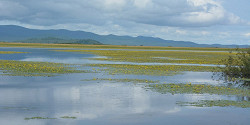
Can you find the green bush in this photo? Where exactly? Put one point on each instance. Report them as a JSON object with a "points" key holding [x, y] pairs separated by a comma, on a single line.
{"points": [[237, 67]]}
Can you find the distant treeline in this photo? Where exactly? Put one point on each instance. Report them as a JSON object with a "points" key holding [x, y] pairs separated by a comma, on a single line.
{"points": [[59, 40]]}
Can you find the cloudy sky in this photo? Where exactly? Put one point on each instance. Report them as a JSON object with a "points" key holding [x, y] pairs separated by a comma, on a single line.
{"points": [[201, 21]]}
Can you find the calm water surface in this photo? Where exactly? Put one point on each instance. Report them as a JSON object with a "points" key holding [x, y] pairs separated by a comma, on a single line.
{"points": [[104, 102]]}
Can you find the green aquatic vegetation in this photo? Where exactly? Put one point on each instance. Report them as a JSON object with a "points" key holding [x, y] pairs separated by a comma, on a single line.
{"points": [[219, 103], [155, 70], [10, 52], [38, 118], [39, 45], [198, 89], [123, 80], [25, 68], [140, 56], [68, 117], [29, 74]]}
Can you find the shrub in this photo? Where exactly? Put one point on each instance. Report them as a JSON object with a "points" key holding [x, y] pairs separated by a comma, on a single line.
{"points": [[237, 67]]}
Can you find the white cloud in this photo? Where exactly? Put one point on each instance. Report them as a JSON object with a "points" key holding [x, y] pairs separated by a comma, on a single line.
{"points": [[142, 3], [224, 34], [205, 33], [203, 2], [182, 32], [247, 34], [190, 13], [114, 4], [188, 20], [9, 9]]}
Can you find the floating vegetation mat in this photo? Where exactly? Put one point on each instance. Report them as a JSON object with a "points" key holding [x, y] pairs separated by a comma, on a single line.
{"points": [[155, 70], [40, 45], [198, 89], [23, 68], [189, 57], [220, 103], [10, 52], [122, 80]]}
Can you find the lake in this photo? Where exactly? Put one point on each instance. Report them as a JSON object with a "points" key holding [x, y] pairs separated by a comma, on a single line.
{"points": [[77, 99]]}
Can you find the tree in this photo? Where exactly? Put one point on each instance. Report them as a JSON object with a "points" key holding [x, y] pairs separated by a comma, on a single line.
{"points": [[237, 67]]}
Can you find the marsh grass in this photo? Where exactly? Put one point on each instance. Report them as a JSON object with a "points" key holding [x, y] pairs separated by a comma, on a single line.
{"points": [[198, 89], [10, 52], [23, 68], [139, 56], [219, 103], [40, 45]]}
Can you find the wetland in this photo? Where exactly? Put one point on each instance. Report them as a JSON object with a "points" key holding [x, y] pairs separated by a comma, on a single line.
{"points": [[104, 84]]}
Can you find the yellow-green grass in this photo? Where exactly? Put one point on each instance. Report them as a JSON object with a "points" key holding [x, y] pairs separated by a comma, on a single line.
{"points": [[191, 57], [219, 103], [25, 68], [198, 89], [10, 52], [41, 45], [123, 80], [155, 70]]}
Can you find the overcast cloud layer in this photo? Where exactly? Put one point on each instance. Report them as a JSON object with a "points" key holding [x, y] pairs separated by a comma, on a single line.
{"points": [[202, 21]]}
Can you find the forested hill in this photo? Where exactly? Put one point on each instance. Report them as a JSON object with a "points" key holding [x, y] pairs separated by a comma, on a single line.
{"points": [[59, 40], [13, 33]]}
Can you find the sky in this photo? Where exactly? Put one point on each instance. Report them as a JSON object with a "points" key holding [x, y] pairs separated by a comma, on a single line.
{"points": [[200, 21]]}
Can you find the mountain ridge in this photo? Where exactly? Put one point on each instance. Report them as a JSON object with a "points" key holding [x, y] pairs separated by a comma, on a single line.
{"points": [[10, 33]]}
